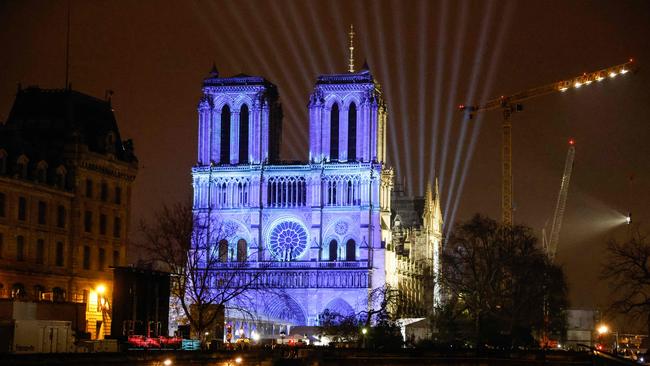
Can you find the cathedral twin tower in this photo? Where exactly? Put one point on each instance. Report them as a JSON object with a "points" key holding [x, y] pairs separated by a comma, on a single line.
{"points": [[240, 120]]}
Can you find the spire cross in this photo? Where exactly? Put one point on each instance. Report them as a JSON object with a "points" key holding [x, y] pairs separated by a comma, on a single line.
{"points": [[351, 65]]}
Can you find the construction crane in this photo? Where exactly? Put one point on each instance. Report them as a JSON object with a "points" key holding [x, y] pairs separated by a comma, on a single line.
{"points": [[550, 244], [511, 104]]}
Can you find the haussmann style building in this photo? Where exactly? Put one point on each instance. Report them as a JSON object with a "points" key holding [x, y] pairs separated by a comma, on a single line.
{"points": [[65, 194]]}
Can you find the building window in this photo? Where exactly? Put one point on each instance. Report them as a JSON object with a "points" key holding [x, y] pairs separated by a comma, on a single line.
{"points": [[20, 248], [60, 216], [2, 204], [104, 192], [102, 224], [334, 250], [22, 208], [242, 250], [351, 250], [89, 188], [116, 258], [86, 257], [243, 134], [352, 132], [18, 291], [223, 250], [102, 258], [117, 227], [225, 135], [58, 294], [88, 221], [118, 195], [40, 251], [42, 213], [334, 132], [59, 254]]}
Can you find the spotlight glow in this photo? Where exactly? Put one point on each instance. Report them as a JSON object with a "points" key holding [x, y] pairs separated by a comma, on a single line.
{"points": [[612, 74], [577, 84]]}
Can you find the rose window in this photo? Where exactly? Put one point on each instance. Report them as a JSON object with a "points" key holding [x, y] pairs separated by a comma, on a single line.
{"points": [[288, 240]]}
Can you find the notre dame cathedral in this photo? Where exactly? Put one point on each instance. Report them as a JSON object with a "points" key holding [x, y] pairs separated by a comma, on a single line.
{"points": [[328, 230]]}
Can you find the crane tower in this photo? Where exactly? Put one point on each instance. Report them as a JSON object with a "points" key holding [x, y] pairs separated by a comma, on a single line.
{"points": [[512, 103], [550, 245]]}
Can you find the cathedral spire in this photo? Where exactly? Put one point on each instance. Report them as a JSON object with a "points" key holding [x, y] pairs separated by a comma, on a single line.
{"points": [[351, 34]]}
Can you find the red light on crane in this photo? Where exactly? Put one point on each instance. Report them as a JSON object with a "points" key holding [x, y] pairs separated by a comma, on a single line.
{"points": [[572, 142]]}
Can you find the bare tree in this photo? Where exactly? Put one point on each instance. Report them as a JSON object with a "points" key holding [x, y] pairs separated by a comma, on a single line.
{"points": [[204, 282], [628, 270]]}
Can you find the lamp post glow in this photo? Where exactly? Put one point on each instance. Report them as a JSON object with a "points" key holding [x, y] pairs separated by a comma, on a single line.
{"points": [[364, 331], [603, 329]]}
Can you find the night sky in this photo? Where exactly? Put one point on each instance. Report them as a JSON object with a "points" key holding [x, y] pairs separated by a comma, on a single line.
{"points": [[428, 56]]}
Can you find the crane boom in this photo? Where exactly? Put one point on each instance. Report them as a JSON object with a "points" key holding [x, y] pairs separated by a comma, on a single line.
{"points": [[558, 217], [510, 104]]}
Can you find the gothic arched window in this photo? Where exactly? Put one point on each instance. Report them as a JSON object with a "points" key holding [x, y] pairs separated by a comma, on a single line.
{"points": [[352, 132], [242, 250], [334, 246], [334, 132], [224, 158], [223, 250], [351, 250], [243, 134]]}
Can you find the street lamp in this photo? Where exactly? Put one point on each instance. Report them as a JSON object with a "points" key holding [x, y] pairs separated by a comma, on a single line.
{"points": [[604, 329], [102, 304], [364, 331]]}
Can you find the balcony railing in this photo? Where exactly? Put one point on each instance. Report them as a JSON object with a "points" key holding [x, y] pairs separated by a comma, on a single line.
{"points": [[291, 265]]}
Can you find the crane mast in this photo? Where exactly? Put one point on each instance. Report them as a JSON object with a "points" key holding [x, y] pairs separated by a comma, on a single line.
{"points": [[558, 216], [512, 103]]}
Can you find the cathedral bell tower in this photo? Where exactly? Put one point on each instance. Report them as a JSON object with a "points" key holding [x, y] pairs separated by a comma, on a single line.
{"points": [[240, 120], [347, 117]]}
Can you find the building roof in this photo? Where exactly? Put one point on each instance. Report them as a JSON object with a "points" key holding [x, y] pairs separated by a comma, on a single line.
{"points": [[363, 76], [43, 121]]}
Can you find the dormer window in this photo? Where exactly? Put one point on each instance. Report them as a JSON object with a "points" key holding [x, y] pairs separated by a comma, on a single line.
{"points": [[110, 142], [21, 166], [60, 176], [41, 172]]}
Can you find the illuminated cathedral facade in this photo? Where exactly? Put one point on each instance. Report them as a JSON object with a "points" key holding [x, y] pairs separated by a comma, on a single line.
{"points": [[321, 230]]}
